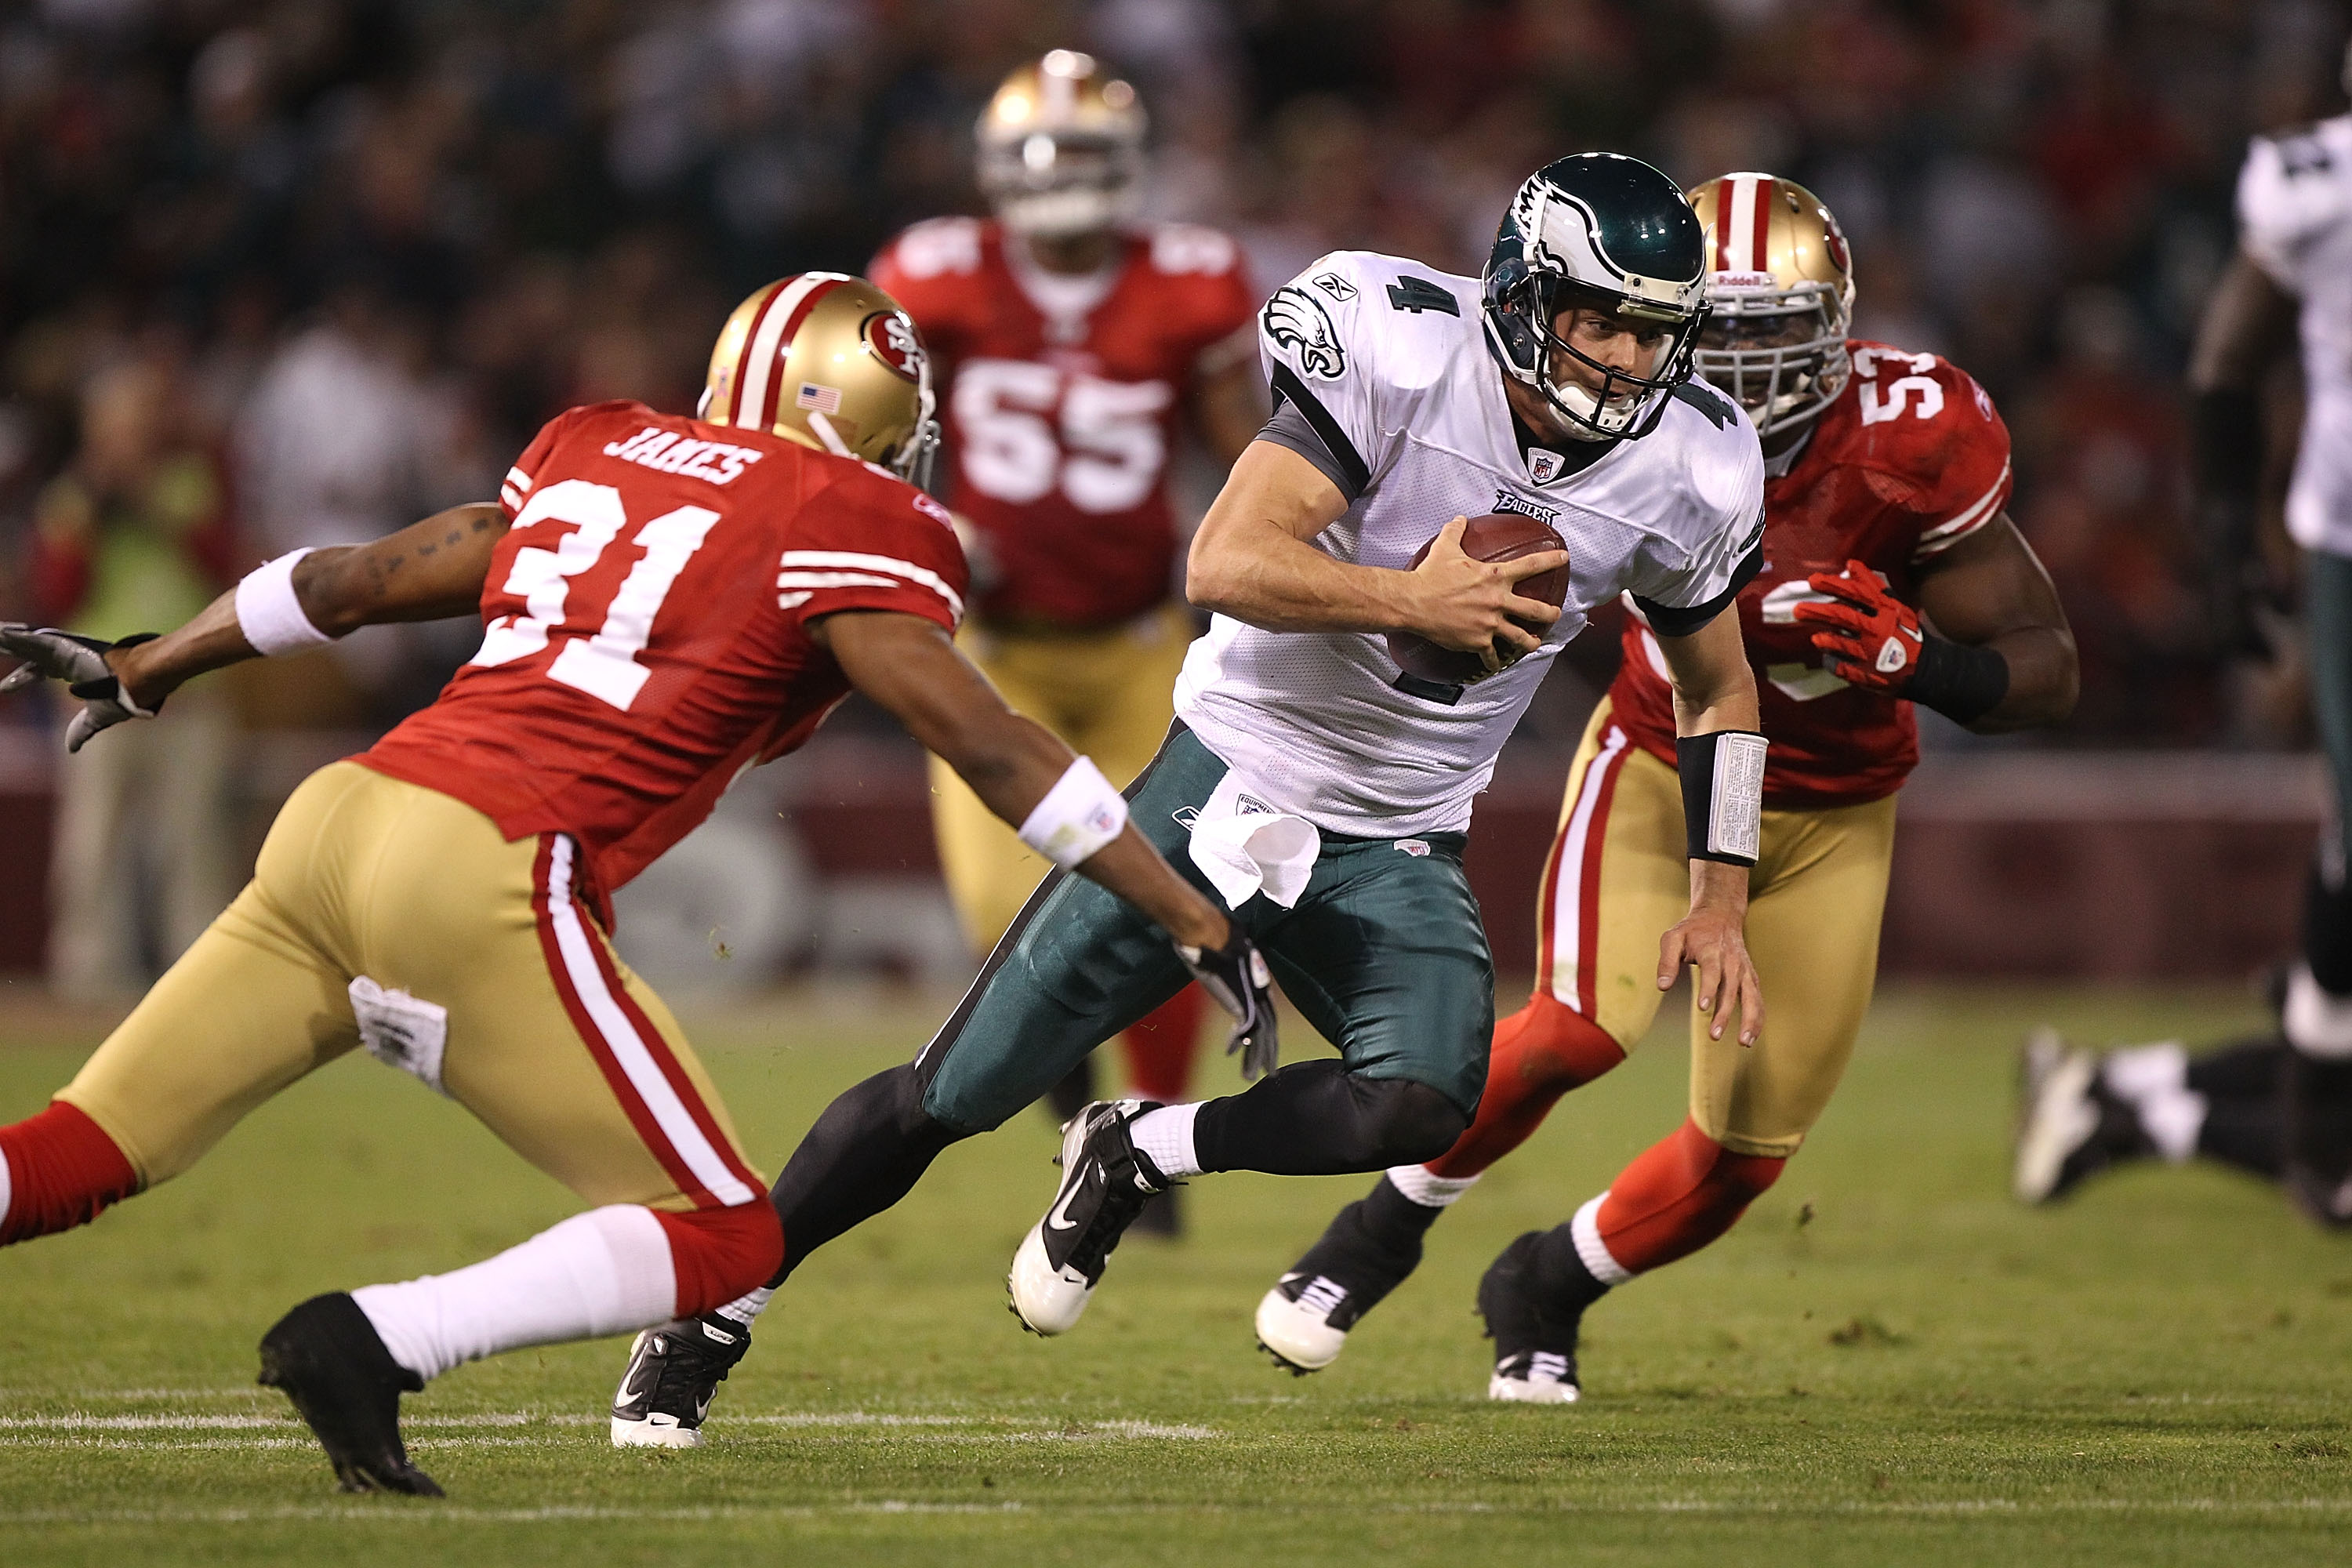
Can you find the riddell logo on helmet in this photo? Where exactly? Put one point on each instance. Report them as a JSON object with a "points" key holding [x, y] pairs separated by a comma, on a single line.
{"points": [[1742, 279], [893, 342]]}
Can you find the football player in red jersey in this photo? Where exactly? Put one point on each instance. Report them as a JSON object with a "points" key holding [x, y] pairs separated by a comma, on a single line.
{"points": [[1893, 576], [666, 601], [1074, 347]]}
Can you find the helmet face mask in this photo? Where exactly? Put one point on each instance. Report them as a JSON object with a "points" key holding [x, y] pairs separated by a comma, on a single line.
{"points": [[1782, 291], [1061, 149], [1611, 235]]}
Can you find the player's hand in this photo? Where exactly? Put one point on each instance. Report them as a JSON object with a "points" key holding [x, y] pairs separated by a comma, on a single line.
{"points": [[1473, 606], [1873, 638], [81, 663], [1236, 976], [1711, 938]]}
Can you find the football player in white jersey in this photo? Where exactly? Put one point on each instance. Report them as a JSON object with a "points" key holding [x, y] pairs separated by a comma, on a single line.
{"points": [[2281, 1107], [1320, 790]]}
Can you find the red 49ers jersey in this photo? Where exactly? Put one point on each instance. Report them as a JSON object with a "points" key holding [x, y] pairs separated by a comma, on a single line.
{"points": [[1909, 459], [645, 625], [1062, 408]]}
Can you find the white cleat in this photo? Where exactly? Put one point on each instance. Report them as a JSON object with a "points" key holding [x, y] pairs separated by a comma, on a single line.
{"points": [[1299, 1333], [1540, 1378], [2060, 1116], [656, 1431], [1104, 1183]]}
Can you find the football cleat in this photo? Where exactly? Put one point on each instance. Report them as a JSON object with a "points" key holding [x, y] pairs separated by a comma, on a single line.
{"points": [[1304, 1320], [673, 1372], [1535, 1346], [330, 1362], [2070, 1124], [1106, 1181]]}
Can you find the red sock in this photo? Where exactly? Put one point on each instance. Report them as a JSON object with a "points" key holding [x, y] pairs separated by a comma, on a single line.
{"points": [[720, 1254], [1161, 1046], [1540, 1052], [1677, 1196], [62, 1172]]}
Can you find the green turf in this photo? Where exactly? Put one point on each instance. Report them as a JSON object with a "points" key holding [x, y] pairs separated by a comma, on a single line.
{"points": [[1886, 1363]]}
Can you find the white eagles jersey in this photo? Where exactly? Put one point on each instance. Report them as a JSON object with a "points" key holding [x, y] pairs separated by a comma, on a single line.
{"points": [[2295, 203], [1381, 377]]}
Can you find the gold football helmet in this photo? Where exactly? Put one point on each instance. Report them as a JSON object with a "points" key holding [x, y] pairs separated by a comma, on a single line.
{"points": [[1061, 148], [830, 362], [1781, 282]]}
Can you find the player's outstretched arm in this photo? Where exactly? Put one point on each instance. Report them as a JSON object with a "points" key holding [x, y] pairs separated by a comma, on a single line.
{"points": [[2248, 319], [1990, 593], [912, 668], [426, 571], [1715, 693], [1251, 560]]}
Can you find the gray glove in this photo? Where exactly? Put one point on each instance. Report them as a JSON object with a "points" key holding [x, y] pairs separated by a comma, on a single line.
{"points": [[81, 663], [1236, 976]]}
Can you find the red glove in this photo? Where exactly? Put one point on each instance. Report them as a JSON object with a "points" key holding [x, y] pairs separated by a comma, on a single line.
{"points": [[1873, 638]]}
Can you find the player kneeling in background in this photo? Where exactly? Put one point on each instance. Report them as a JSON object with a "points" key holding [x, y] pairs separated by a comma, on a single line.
{"points": [[668, 601], [1888, 475]]}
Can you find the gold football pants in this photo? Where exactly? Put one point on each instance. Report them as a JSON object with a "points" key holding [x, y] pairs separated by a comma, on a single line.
{"points": [[549, 1039], [1108, 693], [1619, 876]]}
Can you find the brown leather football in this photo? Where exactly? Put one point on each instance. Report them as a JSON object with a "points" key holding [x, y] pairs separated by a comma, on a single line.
{"points": [[1499, 536]]}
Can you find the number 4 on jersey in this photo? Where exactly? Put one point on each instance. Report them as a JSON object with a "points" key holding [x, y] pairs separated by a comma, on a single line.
{"points": [[605, 666]]}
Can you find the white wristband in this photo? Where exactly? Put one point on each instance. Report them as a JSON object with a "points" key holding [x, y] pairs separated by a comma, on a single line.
{"points": [[268, 612], [1079, 815]]}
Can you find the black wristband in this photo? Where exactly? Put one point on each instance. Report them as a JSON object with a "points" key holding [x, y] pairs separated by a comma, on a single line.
{"points": [[1723, 795], [1960, 682]]}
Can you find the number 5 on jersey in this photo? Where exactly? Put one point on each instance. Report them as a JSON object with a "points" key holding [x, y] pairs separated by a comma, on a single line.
{"points": [[604, 666]]}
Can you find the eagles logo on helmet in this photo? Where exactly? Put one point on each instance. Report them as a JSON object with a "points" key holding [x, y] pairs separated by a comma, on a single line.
{"points": [[831, 361], [1781, 288], [1605, 231]]}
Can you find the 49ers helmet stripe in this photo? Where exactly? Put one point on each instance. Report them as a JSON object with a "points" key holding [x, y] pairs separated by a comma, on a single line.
{"points": [[830, 362], [760, 387]]}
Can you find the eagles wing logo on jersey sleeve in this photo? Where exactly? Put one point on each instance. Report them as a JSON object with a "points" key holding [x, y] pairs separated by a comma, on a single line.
{"points": [[1297, 320]]}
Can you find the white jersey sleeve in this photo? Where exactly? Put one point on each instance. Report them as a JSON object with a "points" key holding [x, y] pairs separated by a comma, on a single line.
{"points": [[1687, 575], [2292, 194]]}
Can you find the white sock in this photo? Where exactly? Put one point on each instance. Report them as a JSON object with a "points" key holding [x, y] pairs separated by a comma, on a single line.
{"points": [[1165, 1137], [745, 1309], [1585, 1231], [2316, 1021], [7, 1189], [2155, 1078], [1430, 1191], [607, 1271]]}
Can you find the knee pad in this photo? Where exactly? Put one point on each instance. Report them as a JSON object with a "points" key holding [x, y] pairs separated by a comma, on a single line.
{"points": [[720, 1254], [1408, 1120], [57, 1170]]}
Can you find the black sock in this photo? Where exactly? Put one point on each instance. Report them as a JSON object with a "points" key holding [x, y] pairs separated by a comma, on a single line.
{"points": [[1563, 1283], [871, 1145], [2243, 1069], [2244, 1132], [2327, 932], [1317, 1118], [1394, 1220]]}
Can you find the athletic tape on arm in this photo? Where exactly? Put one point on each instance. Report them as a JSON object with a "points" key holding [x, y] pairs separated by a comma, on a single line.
{"points": [[269, 613], [1079, 815]]}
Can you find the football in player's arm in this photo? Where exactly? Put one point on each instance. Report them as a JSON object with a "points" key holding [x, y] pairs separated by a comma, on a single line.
{"points": [[1892, 576], [2280, 1104], [666, 601]]}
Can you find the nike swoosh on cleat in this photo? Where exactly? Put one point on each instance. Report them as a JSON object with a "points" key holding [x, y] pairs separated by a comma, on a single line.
{"points": [[1057, 1218]]}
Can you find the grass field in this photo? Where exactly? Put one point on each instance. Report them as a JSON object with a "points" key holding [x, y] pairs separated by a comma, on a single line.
{"points": [[1888, 1362]]}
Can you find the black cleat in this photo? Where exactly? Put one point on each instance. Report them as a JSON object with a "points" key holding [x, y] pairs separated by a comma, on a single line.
{"points": [[1105, 1182], [1535, 1341], [1163, 1217], [673, 1372], [333, 1364], [2070, 1124], [1303, 1321]]}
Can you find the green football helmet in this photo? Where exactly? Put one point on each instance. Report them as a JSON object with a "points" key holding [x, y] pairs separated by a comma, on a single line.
{"points": [[1602, 230]]}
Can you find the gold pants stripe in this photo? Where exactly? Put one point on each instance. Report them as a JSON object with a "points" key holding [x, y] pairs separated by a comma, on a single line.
{"points": [[1619, 877], [1109, 694], [552, 1041]]}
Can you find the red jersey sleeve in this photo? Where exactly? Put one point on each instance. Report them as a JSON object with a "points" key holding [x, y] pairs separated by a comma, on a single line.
{"points": [[1211, 295], [514, 490], [1951, 442], [870, 541], [929, 270]]}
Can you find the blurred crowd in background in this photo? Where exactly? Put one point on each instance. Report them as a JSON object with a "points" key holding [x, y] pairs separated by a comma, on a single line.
{"points": [[277, 272]]}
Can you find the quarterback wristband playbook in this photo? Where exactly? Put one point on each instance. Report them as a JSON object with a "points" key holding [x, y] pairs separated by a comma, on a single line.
{"points": [[1723, 795], [268, 612], [1079, 815]]}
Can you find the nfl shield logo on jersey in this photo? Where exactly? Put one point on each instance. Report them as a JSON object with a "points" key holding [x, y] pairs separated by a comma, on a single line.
{"points": [[1543, 467]]}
